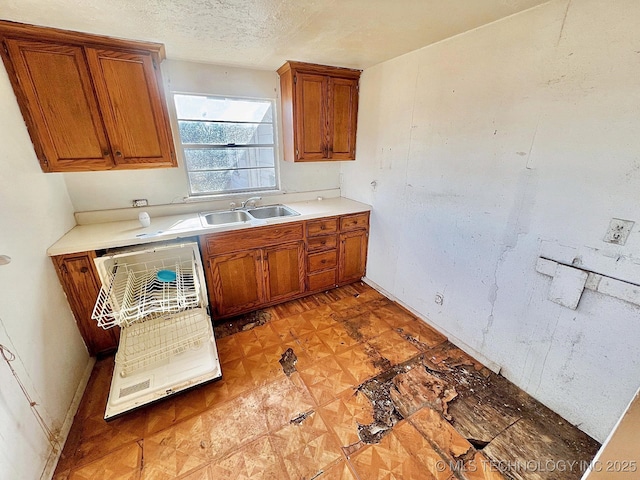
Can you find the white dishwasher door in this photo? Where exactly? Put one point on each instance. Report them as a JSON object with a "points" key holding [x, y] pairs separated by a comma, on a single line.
{"points": [[158, 295]]}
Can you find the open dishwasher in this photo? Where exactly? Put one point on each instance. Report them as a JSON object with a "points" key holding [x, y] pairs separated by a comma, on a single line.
{"points": [[157, 295]]}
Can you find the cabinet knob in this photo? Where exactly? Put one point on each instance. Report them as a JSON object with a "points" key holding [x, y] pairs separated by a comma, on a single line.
{"points": [[105, 153], [323, 242], [84, 270], [118, 153]]}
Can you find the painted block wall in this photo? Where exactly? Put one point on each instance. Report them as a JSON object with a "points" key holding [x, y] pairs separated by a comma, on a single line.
{"points": [[109, 190], [473, 152], [36, 323]]}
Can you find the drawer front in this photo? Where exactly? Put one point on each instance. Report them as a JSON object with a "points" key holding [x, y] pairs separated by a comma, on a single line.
{"points": [[322, 261], [250, 238], [322, 280], [354, 222], [318, 244], [322, 227]]}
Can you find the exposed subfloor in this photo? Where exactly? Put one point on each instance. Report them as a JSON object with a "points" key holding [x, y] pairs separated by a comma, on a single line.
{"points": [[340, 385]]}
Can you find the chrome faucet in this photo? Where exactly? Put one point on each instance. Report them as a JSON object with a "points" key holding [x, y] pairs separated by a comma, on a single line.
{"points": [[250, 200]]}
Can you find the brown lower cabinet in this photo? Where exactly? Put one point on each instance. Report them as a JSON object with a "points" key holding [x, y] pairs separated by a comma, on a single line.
{"points": [[253, 268], [80, 282]]}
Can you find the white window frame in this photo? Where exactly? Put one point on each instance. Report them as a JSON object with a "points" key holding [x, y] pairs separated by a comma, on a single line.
{"points": [[234, 193]]}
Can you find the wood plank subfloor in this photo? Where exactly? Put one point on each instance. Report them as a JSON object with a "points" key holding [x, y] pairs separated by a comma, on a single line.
{"points": [[340, 385]]}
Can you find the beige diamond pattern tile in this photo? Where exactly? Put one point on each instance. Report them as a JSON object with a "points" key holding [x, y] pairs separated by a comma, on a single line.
{"points": [[255, 461], [359, 362], [339, 471], [422, 451], [387, 460], [345, 413], [440, 432], [234, 423], [421, 335], [264, 366], [122, 464], [327, 379], [394, 348], [391, 313], [267, 336], [315, 350], [337, 338], [248, 342], [229, 348], [306, 448], [177, 450], [284, 400]]}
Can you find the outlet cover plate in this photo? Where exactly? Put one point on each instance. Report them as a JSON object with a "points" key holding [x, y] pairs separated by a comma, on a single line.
{"points": [[619, 231]]}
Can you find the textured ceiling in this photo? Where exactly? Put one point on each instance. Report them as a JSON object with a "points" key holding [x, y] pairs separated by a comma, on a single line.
{"points": [[264, 33]]}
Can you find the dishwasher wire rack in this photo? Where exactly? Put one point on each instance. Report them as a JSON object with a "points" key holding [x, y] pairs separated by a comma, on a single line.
{"points": [[133, 291], [159, 338]]}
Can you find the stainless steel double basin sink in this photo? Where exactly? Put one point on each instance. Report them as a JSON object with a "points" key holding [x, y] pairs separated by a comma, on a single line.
{"points": [[225, 217]]}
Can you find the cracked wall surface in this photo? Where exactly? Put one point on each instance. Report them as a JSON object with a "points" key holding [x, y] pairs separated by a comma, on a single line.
{"points": [[481, 149]]}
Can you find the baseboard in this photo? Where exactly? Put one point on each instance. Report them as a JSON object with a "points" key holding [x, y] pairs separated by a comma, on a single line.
{"points": [[56, 451], [490, 364]]}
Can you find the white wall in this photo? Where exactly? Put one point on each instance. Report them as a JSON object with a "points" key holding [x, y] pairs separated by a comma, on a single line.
{"points": [[482, 147], [110, 190], [35, 320]]}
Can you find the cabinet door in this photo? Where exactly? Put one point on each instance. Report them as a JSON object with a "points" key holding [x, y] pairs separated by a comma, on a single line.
{"points": [[284, 271], [129, 92], [311, 117], [237, 282], [353, 256], [343, 116], [81, 284], [57, 100]]}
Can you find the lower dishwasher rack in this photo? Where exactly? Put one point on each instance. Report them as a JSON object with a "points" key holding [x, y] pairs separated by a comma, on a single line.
{"points": [[148, 342]]}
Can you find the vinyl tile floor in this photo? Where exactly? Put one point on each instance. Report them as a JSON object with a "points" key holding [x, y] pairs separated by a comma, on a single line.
{"points": [[371, 392]]}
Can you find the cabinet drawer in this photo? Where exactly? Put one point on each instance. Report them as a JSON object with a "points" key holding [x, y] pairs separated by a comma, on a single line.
{"points": [[354, 222], [322, 227], [318, 244], [249, 238], [322, 261], [322, 280]]}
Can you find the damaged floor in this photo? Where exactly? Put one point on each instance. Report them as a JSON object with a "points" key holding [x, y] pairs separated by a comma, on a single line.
{"points": [[340, 385]]}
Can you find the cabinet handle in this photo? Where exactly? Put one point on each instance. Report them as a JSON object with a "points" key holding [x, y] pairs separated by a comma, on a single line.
{"points": [[323, 261], [324, 242], [84, 270]]}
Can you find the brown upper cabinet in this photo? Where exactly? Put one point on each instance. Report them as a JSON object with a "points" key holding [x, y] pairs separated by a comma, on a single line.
{"points": [[89, 102], [319, 112]]}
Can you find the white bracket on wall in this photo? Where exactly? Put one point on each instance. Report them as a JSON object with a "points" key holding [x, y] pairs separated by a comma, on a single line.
{"points": [[570, 281]]}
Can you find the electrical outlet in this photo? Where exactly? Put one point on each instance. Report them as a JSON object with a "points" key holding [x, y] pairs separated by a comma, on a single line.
{"points": [[141, 202], [619, 231]]}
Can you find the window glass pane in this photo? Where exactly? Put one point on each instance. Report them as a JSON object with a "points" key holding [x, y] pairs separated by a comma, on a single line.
{"points": [[219, 158], [228, 143], [196, 107], [232, 180], [213, 133]]}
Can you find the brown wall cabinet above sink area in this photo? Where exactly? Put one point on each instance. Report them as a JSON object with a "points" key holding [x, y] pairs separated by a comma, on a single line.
{"points": [[89, 102], [319, 112]]}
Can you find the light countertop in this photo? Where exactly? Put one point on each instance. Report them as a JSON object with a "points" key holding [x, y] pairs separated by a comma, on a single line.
{"points": [[98, 236]]}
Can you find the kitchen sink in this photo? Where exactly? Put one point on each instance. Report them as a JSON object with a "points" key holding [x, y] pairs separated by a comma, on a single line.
{"points": [[272, 211], [225, 217]]}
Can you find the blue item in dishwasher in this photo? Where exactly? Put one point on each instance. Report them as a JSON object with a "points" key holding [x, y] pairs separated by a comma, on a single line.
{"points": [[166, 275]]}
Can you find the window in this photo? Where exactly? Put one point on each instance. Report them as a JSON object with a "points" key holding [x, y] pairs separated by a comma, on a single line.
{"points": [[228, 143]]}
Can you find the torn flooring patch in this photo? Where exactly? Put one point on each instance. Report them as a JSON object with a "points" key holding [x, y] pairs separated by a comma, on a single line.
{"points": [[398, 393], [288, 361]]}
